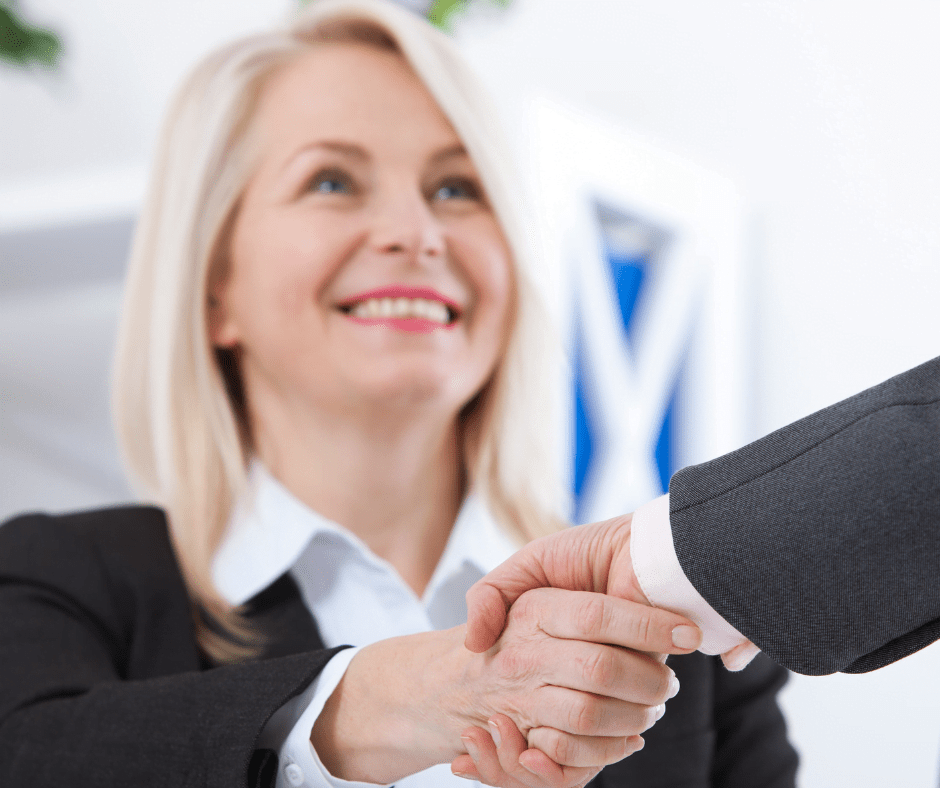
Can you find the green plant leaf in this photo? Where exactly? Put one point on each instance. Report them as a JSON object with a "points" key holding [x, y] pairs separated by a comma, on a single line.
{"points": [[442, 12], [23, 44]]}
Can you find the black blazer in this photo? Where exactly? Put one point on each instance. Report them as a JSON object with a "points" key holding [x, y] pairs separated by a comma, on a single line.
{"points": [[821, 541], [102, 684]]}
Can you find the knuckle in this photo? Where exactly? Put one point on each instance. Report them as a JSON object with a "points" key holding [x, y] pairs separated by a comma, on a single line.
{"points": [[584, 716], [524, 608], [590, 615], [650, 715], [559, 747], [622, 749], [599, 669], [515, 663], [634, 720], [660, 684], [643, 627]]}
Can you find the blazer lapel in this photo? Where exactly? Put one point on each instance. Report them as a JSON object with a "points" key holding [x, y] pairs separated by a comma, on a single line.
{"points": [[283, 620]]}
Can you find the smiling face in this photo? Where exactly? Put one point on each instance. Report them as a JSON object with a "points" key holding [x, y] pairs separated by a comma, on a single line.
{"points": [[365, 268]]}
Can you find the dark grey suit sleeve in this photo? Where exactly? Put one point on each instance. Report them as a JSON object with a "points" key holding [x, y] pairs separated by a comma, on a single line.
{"points": [[821, 541], [100, 681]]}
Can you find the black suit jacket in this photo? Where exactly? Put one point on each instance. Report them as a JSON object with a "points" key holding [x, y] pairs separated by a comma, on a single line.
{"points": [[102, 684], [821, 541]]}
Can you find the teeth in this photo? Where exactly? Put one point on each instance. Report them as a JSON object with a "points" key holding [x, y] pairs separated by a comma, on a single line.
{"points": [[421, 308]]}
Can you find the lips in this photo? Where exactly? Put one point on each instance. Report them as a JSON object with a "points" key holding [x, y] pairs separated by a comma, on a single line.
{"points": [[407, 308]]}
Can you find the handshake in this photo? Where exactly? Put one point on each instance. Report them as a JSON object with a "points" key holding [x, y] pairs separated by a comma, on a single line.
{"points": [[599, 649], [559, 669]]}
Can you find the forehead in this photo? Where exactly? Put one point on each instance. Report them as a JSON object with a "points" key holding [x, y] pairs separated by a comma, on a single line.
{"points": [[350, 91]]}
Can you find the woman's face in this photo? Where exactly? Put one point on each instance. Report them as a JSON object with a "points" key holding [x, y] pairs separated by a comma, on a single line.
{"points": [[365, 268]]}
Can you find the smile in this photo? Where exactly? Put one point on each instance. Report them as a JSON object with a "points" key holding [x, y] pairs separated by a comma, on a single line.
{"points": [[411, 309]]}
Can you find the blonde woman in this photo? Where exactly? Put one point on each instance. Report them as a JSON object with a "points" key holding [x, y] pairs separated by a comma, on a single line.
{"points": [[329, 382]]}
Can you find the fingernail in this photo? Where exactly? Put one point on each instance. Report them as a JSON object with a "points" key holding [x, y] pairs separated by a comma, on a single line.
{"points": [[528, 768], [673, 689], [660, 710], [461, 774], [472, 749], [686, 637], [494, 732]]}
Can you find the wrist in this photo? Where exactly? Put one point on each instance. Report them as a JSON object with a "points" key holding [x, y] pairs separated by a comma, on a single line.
{"points": [[395, 711], [621, 580]]}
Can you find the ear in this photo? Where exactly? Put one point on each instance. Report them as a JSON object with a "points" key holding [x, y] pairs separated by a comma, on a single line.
{"points": [[223, 333]]}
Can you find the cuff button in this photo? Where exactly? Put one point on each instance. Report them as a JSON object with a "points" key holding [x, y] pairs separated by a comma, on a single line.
{"points": [[294, 775]]}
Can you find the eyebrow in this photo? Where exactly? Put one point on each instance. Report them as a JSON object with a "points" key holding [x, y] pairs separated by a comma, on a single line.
{"points": [[451, 152], [357, 152], [343, 148]]}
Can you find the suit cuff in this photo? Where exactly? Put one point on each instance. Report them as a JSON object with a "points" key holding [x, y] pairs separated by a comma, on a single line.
{"points": [[665, 585], [288, 732]]}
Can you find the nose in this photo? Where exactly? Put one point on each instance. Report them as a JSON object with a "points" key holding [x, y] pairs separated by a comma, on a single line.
{"points": [[405, 224]]}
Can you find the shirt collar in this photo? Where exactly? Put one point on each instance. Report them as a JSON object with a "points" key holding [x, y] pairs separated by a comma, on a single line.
{"points": [[270, 528]]}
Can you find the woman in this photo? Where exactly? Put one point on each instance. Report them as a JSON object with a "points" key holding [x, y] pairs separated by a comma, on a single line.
{"points": [[328, 322]]}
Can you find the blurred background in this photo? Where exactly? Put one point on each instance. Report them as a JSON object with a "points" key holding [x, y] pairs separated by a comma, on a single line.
{"points": [[807, 132]]}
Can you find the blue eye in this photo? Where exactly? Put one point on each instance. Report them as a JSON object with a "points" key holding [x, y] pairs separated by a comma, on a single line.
{"points": [[331, 182], [457, 189], [329, 186]]}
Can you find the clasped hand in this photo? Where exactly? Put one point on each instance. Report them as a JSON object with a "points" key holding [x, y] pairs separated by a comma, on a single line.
{"points": [[541, 689], [567, 688], [594, 559]]}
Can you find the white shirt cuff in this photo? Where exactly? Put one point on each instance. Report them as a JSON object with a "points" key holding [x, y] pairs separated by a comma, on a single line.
{"points": [[660, 575], [288, 732]]}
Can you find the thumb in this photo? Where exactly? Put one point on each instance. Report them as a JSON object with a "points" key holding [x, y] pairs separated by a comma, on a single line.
{"points": [[489, 599], [576, 559], [486, 616]]}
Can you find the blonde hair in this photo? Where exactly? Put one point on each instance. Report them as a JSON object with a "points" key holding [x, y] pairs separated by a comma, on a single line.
{"points": [[177, 409]]}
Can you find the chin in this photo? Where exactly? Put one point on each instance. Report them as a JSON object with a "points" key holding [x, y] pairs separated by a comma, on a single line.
{"points": [[448, 390]]}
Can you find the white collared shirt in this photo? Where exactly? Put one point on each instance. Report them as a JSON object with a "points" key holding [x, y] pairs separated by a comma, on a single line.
{"points": [[356, 598]]}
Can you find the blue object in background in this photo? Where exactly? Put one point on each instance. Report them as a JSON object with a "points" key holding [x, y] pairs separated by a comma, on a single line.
{"points": [[629, 273], [632, 247], [584, 429], [665, 452]]}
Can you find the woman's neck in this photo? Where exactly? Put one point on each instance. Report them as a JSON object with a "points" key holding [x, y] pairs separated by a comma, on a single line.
{"points": [[397, 484]]}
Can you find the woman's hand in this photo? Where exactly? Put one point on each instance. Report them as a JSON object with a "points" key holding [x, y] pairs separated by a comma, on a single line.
{"points": [[561, 673], [511, 764]]}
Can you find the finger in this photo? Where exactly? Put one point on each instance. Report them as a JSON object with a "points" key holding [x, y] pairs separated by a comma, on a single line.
{"points": [[586, 666], [584, 714], [583, 615], [536, 761], [566, 749], [483, 751], [490, 598], [510, 743], [740, 656], [606, 671], [575, 558], [463, 766], [539, 764]]}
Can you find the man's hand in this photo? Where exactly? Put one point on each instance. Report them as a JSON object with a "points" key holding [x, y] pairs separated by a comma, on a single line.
{"points": [[592, 557]]}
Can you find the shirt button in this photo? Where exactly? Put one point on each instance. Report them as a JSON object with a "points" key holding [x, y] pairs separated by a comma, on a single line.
{"points": [[294, 775]]}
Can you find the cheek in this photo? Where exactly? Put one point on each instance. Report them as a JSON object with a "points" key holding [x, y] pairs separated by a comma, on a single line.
{"points": [[277, 274], [497, 285], [480, 244]]}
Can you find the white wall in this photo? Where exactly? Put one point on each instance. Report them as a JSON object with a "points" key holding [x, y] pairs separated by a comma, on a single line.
{"points": [[824, 113]]}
